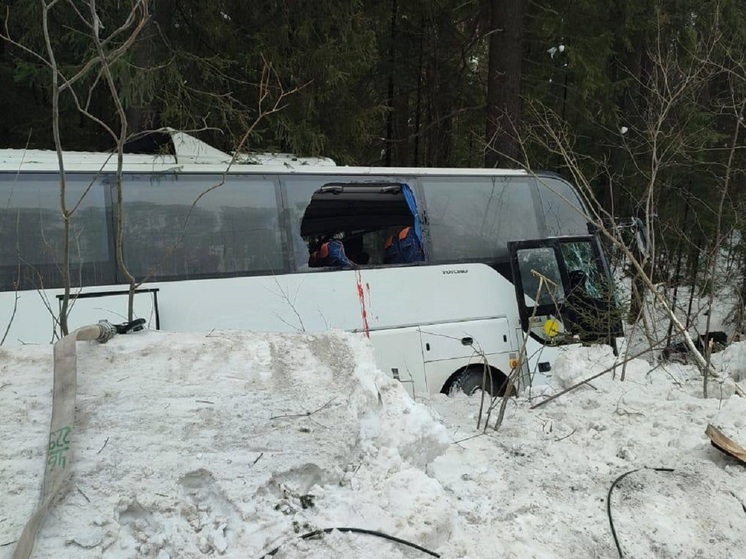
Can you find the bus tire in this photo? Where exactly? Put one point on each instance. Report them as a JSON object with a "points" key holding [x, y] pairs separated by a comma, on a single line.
{"points": [[472, 379]]}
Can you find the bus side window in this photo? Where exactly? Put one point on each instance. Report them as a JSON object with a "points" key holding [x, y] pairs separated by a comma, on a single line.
{"points": [[32, 232], [473, 218], [361, 214], [192, 226], [561, 208]]}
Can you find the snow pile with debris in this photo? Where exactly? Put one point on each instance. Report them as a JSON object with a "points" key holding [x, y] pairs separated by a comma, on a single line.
{"points": [[232, 444], [538, 487], [731, 362]]}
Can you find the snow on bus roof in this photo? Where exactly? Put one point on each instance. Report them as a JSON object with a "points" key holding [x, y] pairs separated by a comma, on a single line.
{"points": [[188, 151], [193, 155]]}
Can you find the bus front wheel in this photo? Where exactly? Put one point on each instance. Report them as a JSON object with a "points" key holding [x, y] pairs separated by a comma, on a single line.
{"points": [[474, 379]]}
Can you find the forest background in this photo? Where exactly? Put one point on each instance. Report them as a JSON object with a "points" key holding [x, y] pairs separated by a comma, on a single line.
{"points": [[640, 103]]}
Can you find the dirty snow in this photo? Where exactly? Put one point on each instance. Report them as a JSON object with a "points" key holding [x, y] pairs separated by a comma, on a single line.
{"points": [[231, 444]]}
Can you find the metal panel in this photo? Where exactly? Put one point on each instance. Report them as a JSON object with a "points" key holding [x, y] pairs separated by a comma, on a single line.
{"points": [[466, 339], [398, 354]]}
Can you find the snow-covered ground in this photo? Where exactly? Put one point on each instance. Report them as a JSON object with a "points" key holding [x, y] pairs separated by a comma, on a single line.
{"points": [[232, 444]]}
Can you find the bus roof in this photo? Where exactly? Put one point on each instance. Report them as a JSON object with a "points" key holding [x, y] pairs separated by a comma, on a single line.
{"points": [[187, 150], [194, 156]]}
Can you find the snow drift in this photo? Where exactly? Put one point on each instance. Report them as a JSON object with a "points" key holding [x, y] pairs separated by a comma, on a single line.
{"points": [[226, 444], [232, 444]]}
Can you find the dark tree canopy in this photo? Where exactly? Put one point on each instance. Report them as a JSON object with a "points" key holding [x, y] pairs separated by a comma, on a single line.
{"points": [[436, 83]]}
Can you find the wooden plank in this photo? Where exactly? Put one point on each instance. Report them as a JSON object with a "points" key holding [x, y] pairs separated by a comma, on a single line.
{"points": [[725, 444], [740, 391]]}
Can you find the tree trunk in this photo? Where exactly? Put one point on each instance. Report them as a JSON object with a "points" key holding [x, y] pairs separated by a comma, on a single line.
{"points": [[505, 33], [390, 100], [150, 51]]}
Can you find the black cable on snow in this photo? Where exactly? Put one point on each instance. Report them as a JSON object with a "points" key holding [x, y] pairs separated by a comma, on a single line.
{"points": [[608, 502], [315, 533]]}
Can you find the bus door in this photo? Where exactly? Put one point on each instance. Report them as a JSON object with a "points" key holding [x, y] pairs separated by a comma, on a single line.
{"points": [[564, 291]]}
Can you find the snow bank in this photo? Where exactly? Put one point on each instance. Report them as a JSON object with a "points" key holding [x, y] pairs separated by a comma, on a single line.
{"points": [[732, 361], [538, 487], [231, 444], [222, 444]]}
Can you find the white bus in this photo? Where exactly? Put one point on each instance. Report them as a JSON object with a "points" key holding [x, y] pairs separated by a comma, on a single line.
{"points": [[229, 247]]}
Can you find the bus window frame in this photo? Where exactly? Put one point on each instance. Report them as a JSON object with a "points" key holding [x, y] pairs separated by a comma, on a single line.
{"points": [[237, 177], [88, 182], [282, 182], [431, 253]]}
